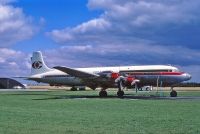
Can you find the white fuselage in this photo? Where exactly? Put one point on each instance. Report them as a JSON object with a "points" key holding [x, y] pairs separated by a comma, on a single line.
{"points": [[148, 75]]}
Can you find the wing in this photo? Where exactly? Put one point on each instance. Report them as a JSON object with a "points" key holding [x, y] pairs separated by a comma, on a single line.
{"points": [[101, 79], [76, 73], [87, 78]]}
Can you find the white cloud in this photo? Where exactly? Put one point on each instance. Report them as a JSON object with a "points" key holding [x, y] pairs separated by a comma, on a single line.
{"points": [[130, 18], [91, 27], [13, 63], [99, 24], [15, 26], [147, 12]]}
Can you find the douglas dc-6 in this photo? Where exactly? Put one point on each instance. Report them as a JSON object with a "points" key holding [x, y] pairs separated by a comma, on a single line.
{"points": [[107, 77]]}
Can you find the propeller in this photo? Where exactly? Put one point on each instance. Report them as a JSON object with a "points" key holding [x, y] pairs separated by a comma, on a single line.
{"points": [[120, 81], [123, 79]]}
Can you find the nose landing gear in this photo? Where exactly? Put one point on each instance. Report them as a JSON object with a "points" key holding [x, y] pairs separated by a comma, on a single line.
{"points": [[173, 93]]}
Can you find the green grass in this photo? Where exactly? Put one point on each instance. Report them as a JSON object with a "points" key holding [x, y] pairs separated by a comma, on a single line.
{"points": [[59, 112]]}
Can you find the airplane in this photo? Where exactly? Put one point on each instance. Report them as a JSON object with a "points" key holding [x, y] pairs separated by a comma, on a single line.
{"points": [[107, 77]]}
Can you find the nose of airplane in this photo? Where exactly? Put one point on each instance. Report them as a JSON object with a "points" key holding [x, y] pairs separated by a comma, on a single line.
{"points": [[187, 76]]}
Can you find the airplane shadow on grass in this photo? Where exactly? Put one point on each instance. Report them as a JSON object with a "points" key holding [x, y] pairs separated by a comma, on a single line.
{"points": [[126, 96], [97, 97]]}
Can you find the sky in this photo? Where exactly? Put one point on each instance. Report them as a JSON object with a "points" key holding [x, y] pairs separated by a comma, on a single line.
{"points": [[88, 33]]}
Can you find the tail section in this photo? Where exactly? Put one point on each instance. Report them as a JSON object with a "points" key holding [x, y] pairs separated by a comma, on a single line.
{"points": [[38, 65]]}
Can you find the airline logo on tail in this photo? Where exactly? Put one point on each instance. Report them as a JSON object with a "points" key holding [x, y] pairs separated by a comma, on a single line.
{"points": [[37, 65]]}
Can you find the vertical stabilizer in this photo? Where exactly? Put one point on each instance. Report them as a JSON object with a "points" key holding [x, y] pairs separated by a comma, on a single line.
{"points": [[38, 66]]}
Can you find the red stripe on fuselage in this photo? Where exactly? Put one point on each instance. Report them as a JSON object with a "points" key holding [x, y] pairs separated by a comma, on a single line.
{"points": [[156, 73], [171, 73]]}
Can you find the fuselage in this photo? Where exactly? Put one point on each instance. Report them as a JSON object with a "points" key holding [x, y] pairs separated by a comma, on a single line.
{"points": [[148, 75]]}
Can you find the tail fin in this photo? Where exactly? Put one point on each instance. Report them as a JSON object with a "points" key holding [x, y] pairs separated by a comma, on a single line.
{"points": [[38, 65]]}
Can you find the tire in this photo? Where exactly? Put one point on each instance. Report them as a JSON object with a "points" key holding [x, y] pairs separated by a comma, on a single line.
{"points": [[173, 93], [120, 94], [103, 94]]}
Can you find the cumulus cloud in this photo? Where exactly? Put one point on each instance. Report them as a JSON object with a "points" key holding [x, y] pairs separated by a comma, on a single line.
{"points": [[131, 18], [142, 12], [92, 28], [87, 55], [15, 26], [14, 63]]}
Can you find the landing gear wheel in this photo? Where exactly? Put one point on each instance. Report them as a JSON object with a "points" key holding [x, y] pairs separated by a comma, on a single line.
{"points": [[173, 93], [120, 94], [103, 94]]}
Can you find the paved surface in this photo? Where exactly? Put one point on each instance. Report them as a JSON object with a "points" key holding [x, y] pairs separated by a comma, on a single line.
{"points": [[11, 90]]}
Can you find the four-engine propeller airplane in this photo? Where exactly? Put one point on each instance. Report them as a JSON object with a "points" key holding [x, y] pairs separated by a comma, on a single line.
{"points": [[107, 77]]}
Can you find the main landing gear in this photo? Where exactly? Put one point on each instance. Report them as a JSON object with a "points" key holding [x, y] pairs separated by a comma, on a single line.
{"points": [[120, 92], [173, 93], [103, 93]]}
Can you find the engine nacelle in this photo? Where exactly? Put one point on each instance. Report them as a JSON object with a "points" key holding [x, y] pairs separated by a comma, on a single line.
{"points": [[131, 80], [114, 75]]}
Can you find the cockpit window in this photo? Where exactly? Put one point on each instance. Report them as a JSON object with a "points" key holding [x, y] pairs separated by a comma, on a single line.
{"points": [[175, 70]]}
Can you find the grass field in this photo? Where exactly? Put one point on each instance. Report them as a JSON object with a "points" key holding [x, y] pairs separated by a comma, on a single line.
{"points": [[66, 112]]}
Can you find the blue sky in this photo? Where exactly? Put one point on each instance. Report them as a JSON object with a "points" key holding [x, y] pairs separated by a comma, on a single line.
{"points": [[55, 15], [83, 33]]}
